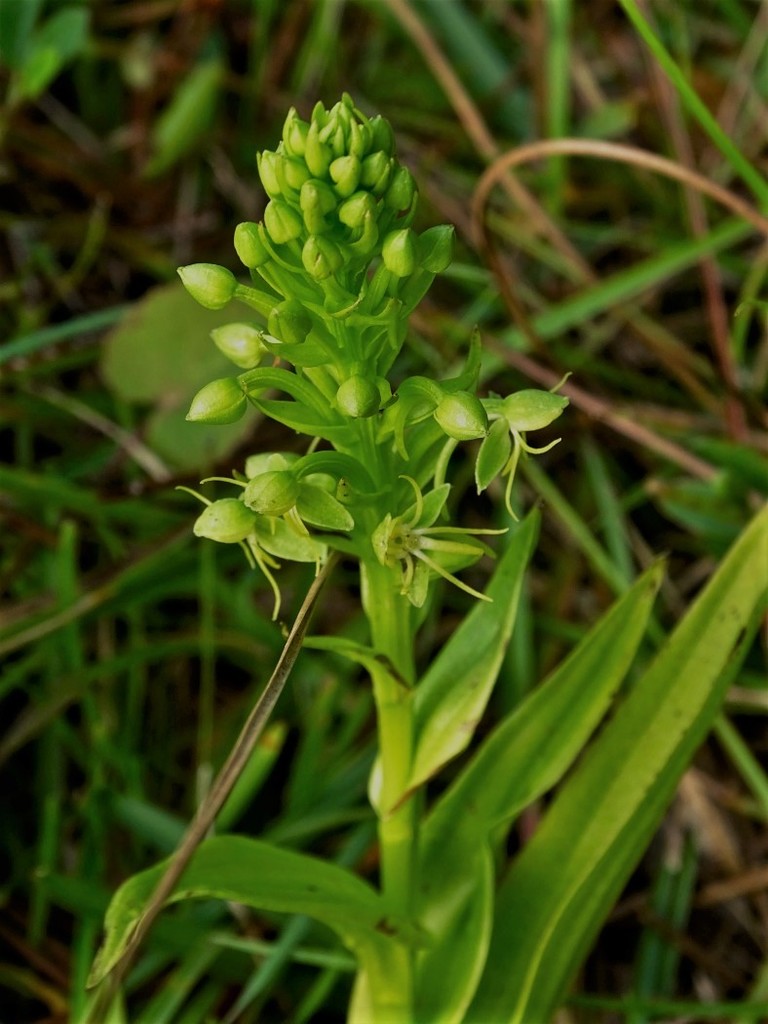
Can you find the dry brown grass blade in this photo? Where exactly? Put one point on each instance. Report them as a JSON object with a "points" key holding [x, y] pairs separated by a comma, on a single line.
{"points": [[606, 151]]}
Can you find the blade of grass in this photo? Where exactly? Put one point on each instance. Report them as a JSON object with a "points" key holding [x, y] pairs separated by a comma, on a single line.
{"points": [[609, 508], [695, 105], [745, 762], [557, 77], [27, 344], [628, 284]]}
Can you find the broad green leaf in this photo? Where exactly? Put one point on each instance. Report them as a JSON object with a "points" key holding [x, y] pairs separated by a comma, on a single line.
{"points": [[524, 757], [452, 696], [192, 447], [162, 350], [318, 508], [161, 353], [534, 746], [455, 908], [563, 884], [266, 877]]}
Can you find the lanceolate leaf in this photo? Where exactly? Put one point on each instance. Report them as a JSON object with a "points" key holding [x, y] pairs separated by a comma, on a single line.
{"points": [[564, 882], [455, 907], [524, 757], [269, 878], [533, 747], [452, 696]]}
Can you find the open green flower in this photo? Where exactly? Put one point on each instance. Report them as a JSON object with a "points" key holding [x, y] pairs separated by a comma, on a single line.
{"points": [[410, 542], [512, 418]]}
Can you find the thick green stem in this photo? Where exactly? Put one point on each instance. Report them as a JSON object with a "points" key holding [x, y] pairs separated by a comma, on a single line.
{"points": [[391, 622]]}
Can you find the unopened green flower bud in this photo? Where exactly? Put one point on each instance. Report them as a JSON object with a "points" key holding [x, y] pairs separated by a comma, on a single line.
{"points": [[316, 200], [345, 172], [399, 252], [401, 191], [367, 237], [316, 154], [532, 409], [221, 401], [249, 245], [240, 342], [295, 134], [382, 135], [210, 285], [358, 397], [354, 210], [282, 222], [462, 416], [269, 172], [334, 136], [289, 322], [294, 173], [435, 248], [319, 117], [272, 494], [376, 172], [359, 141], [227, 521], [321, 257]]}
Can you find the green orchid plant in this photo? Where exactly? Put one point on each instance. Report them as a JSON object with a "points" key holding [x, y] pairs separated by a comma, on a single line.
{"points": [[336, 268]]}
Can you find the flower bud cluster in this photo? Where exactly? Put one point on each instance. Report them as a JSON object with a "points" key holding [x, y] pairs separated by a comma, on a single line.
{"points": [[336, 189], [336, 268], [336, 242], [340, 202]]}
